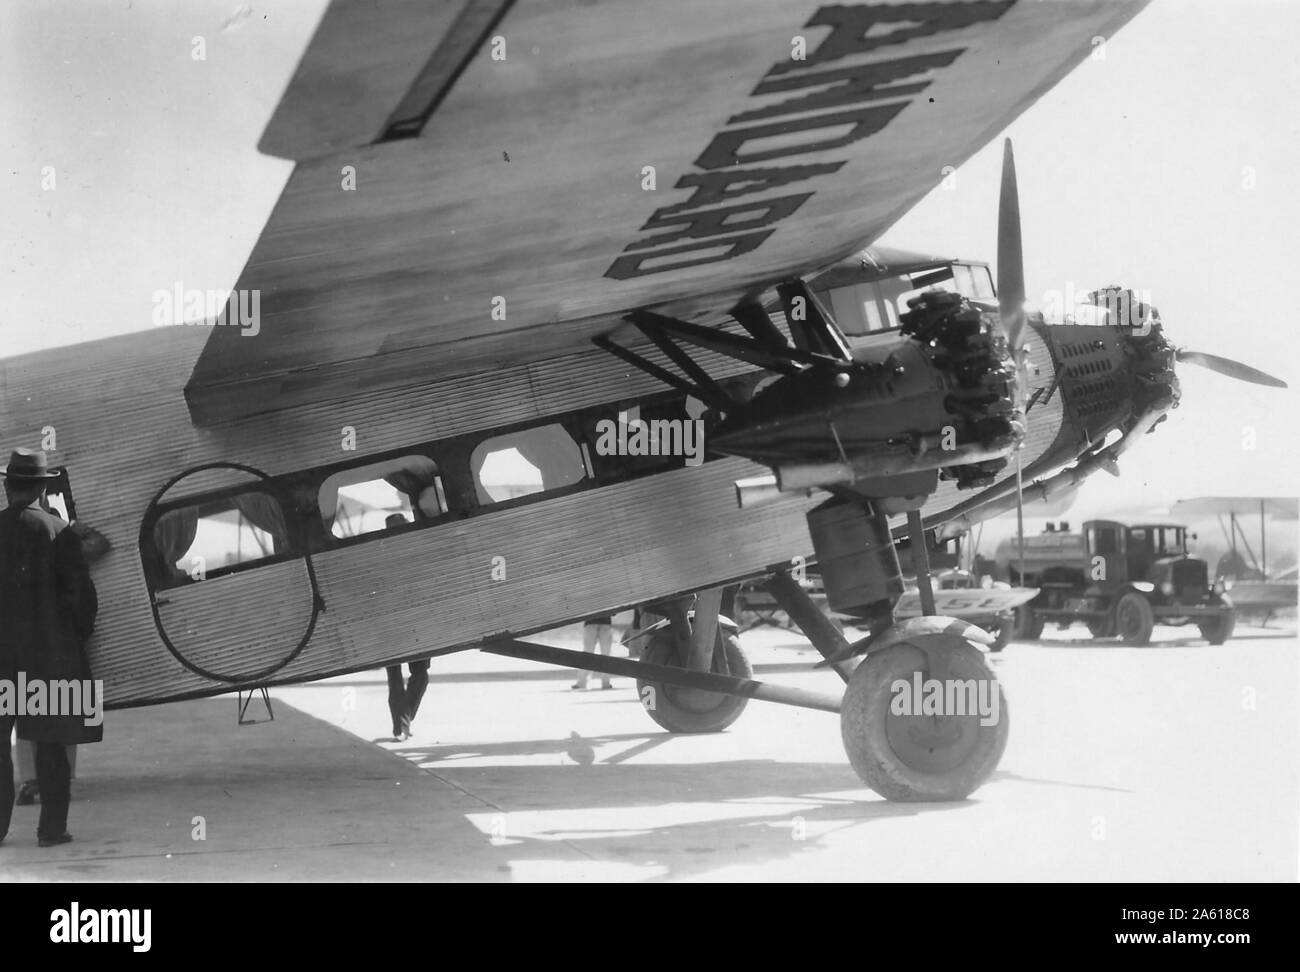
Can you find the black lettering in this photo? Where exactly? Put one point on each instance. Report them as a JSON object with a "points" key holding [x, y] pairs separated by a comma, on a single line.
{"points": [[713, 222], [723, 150], [850, 26], [629, 265], [866, 82], [714, 188]]}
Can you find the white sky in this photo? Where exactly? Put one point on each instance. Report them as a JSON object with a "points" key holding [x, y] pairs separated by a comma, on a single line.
{"points": [[1131, 171]]}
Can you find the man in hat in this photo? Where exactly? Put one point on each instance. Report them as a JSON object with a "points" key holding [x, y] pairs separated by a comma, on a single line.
{"points": [[47, 613]]}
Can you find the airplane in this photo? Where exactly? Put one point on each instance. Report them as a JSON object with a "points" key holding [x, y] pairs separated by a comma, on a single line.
{"points": [[576, 235], [1253, 588]]}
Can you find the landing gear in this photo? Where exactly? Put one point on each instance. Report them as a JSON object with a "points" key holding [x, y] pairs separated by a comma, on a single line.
{"points": [[680, 709], [1134, 619], [923, 716], [907, 755]]}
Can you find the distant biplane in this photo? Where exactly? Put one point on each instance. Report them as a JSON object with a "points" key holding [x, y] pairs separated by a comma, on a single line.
{"points": [[1255, 590], [513, 223]]}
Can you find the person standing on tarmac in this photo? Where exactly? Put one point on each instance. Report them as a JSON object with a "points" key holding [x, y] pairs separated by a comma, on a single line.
{"points": [[47, 613]]}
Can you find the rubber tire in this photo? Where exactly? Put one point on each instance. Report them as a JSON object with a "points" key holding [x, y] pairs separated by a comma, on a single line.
{"points": [[1102, 629], [866, 715], [1001, 628], [680, 710], [1219, 629], [1134, 609], [1028, 624]]}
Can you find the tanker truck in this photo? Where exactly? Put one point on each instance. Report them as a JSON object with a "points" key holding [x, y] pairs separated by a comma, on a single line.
{"points": [[1118, 578]]}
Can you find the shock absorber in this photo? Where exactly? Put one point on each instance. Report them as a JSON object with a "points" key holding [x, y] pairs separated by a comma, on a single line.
{"points": [[858, 562]]}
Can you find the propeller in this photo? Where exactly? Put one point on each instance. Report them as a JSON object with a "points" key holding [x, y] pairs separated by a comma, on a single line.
{"points": [[1011, 263], [1011, 306], [1228, 367]]}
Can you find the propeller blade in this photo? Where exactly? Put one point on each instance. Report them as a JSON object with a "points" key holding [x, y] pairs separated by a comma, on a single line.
{"points": [[1226, 366], [1011, 263]]}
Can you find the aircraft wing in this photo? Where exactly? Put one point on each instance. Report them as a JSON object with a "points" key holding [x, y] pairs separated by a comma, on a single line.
{"points": [[485, 182], [1277, 507]]}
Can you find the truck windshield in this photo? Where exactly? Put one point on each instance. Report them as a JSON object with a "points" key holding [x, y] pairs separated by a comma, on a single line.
{"points": [[1169, 541], [1157, 541]]}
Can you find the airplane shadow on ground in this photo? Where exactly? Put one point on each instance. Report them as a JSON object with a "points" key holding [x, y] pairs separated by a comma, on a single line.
{"points": [[1007, 775], [745, 812]]}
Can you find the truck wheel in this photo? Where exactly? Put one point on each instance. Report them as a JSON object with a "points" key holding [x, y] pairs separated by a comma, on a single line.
{"points": [[918, 757], [1028, 624], [681, 709], [1134, 619], [1218, 629], [1101, 627]]}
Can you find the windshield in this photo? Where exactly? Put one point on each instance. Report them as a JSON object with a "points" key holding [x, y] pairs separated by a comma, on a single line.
{"points": [[875, 306], [1157, 541]]}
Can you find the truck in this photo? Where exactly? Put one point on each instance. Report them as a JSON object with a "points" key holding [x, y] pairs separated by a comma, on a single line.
{"points": [[1118, 578]]}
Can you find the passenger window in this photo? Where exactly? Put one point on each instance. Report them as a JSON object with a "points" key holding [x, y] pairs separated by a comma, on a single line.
{"points": [[521, 463], [192, 541], [372, 498]]}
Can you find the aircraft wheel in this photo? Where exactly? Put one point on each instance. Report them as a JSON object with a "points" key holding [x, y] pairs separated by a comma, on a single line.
{"points": [[1028, 624], [919, 757], [1000, 628], [1218, 629], [1134, 619], [680, 709]]}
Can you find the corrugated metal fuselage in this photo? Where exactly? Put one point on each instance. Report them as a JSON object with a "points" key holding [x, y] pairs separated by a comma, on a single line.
{"points": [[117, 418]]}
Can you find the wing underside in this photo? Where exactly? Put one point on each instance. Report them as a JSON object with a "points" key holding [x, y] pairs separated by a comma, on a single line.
{"points": [[480, 184]]}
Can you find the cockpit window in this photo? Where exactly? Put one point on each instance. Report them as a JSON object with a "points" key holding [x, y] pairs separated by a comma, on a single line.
{"points": [[861, 309]]}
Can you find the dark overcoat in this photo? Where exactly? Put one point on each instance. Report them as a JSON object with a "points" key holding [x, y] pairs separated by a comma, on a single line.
{"points": [[47, 614]]}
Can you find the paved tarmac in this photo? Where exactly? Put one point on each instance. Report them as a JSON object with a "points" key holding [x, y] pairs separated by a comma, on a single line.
{"points": [[1176, 762]]}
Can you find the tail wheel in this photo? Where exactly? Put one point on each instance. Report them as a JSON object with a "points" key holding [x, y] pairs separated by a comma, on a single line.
{"points": [[1134, 619], [909, 756], [1218, 629], [680, 709], [1028, 625]]}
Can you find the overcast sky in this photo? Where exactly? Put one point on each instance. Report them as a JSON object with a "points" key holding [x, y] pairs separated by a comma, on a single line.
{"points": [[1137, 169]]}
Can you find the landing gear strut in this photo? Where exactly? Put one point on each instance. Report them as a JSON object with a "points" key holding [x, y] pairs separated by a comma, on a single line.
{"points": [[700, 640], [923, 716]]}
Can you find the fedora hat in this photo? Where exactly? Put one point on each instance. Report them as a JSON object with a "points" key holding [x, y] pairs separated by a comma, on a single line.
{"points": [[28, 464]]}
